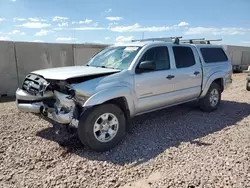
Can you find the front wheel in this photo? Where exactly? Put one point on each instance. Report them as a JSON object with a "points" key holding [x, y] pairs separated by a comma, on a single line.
{"points": [[212, 99], [102, 127]]}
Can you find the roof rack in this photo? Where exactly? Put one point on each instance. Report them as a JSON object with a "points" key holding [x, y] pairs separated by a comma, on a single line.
{"points": [[165, 39], [201, 41], [176, 40], [191, 41]]}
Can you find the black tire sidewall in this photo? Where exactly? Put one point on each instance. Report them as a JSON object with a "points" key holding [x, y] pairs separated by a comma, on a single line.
{"points": [[87, 121], [247, 86], [205, 102]]}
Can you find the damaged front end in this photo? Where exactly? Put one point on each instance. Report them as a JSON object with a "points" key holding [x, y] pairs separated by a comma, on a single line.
{"points": [[53, 99]]}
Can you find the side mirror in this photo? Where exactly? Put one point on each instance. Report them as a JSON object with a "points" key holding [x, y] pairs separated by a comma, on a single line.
{"points": [[146, 66]]}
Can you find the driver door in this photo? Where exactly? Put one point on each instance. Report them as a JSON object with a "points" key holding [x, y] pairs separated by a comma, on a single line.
{"points": [[153, 87]]}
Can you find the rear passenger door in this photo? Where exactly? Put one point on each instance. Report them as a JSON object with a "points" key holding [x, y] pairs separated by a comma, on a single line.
{"points": [[187, 72]]}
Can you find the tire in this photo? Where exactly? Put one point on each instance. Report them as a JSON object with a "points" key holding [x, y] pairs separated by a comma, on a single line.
{"points": [[248, 86], [87, 123], [205, 104]]}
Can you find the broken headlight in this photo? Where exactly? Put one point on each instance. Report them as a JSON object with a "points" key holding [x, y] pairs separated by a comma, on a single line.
{"points": [[81, 99]]}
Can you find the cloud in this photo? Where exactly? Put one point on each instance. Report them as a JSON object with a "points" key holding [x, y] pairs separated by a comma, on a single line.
{"points": [[43, 32], [35, 25], [216, 31], [113, 23], [107, 11], [183, 24], [110, 18], [34, 19], [245, 42], [16, 32], [82, 28], [4, 38], [137, 28], [89, 28], [13, 0], [37, 19], [86, 21], [59, 18], [123, 38], [132, 28], [19, 19], [107, 38], [65, 39], [95, 24], [37, 41], [2, 19], [126, 28], [63, 24]]}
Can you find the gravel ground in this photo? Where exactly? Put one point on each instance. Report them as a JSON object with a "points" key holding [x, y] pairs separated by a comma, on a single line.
{"points": [[175, 147]]}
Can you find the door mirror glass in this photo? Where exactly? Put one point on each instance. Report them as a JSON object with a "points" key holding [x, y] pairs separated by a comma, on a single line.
{"points": [[146, 66]]}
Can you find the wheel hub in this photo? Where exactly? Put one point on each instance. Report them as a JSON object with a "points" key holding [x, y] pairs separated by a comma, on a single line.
{"points": [[106, 127], [214, 97]]}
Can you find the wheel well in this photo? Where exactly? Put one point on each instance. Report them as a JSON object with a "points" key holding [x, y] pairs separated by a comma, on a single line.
{"points": [[121, 102], [220, 82]]}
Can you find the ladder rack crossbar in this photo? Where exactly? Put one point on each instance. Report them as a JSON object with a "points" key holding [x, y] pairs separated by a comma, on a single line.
{"points": [[165, 39]]}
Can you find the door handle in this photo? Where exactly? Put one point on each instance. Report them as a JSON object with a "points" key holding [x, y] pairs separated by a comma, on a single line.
{"points": [[196, 72], [170, 77]]}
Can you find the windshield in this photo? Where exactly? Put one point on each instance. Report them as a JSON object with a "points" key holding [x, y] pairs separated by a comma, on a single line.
{"points": [[119, 57]]}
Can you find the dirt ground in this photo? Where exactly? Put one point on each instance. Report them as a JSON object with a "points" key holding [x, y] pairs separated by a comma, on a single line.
{"points": [[175, 147]]}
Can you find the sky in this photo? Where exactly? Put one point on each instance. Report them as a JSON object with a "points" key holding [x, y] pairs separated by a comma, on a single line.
{"points": [[116, 21]]}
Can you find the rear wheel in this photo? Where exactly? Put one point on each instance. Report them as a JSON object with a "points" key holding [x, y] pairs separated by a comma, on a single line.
{"points": [[212, 99], [248, 86], [102, 128]]}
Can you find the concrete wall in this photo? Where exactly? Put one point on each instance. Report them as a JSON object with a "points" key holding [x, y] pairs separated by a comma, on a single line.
{"points": [[8, 73], [34, 56], [83, 53], [17, 59]]}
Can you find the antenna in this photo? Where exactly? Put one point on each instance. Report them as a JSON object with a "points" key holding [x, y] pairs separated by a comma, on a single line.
{"points": [[143, 34]]}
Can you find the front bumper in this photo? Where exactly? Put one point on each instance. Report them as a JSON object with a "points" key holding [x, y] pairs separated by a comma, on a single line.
{"points": [[29, 103], [55, 111], [29, 107]]}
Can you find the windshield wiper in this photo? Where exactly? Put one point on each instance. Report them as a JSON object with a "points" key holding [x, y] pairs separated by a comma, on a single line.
{"points": [[103, 66]]}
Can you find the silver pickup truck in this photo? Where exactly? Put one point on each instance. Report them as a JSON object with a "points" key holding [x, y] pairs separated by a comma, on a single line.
{"points": [[123, 81]]}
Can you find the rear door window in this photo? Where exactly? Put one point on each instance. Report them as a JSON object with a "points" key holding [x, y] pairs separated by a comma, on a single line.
{"points": [[184, 56]]}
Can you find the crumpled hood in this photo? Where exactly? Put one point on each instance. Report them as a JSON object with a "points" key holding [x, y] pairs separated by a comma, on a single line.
{"points": [[63, 73]]}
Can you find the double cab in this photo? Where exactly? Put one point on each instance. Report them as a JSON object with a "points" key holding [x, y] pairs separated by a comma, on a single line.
{"points": [[123, 81]]}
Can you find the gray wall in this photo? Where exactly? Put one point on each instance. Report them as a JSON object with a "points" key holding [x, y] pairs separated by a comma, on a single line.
{"points": [[8, 73], [83, 53], [34, 56], [17, 59]]}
